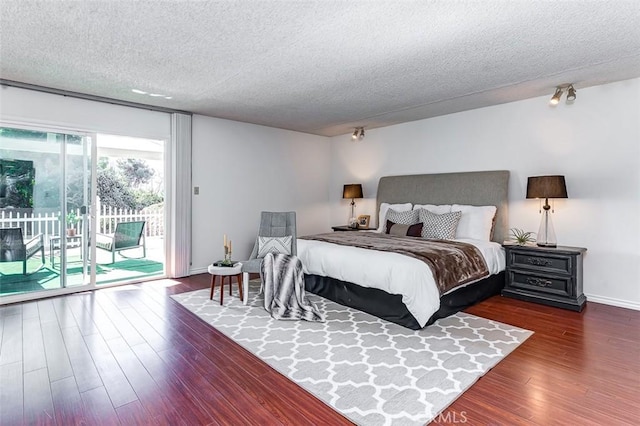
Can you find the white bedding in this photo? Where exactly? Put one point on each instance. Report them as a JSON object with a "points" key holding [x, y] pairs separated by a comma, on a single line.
{"points": [[392, 272]]}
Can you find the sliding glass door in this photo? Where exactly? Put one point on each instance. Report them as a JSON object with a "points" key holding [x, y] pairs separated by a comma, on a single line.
{"points": [[47, 193], [78, 210]]}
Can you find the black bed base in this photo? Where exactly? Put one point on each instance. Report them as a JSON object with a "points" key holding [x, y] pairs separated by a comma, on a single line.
{"points": [[390, 307]]}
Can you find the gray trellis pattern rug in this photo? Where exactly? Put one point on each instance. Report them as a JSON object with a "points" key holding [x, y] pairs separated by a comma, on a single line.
{"points": [[372, 371]]}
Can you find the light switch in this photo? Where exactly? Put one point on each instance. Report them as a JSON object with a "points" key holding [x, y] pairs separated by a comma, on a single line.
{"points": [[196, 190]]}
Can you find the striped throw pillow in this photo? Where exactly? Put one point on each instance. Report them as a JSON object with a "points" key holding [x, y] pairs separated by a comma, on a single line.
{"points": [[399, 230], [275, 245]]}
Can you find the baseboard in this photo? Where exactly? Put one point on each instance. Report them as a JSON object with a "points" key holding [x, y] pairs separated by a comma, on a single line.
{"points": [[613, 302], [196, 271]]}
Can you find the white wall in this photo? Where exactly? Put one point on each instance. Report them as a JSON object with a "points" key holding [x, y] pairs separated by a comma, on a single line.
{"points": [[57, 111], [242, 169], [595, 143]]}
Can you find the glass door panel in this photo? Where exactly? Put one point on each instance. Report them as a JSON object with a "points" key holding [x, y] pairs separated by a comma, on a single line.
{"points": [[130, 209], [45, 186]]}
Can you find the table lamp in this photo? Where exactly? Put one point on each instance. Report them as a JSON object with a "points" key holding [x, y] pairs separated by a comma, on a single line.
{"points": [[353, 191], [546, 187]]}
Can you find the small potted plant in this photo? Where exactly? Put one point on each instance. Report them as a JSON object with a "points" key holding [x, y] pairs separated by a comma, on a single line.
{"points": [[72, 221], [521, 237]]}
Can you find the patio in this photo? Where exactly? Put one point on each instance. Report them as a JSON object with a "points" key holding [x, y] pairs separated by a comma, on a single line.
{"points": [[12, 281]]}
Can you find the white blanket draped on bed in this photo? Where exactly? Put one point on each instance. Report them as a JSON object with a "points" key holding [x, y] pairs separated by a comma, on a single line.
{"points": [[391, 272]]}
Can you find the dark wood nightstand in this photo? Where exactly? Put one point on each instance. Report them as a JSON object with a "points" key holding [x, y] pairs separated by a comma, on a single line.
{"points": [[346, 228], [552, 276]]}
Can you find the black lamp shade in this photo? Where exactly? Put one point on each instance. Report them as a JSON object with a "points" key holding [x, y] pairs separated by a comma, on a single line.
{"points": [[546, 187], [352, 190]]}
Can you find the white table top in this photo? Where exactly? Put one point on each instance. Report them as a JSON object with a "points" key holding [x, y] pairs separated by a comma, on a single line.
{"points": [[226, 270]]}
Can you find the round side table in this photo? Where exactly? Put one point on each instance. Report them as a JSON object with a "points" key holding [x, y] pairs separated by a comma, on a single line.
{"points": [[222, 272]]}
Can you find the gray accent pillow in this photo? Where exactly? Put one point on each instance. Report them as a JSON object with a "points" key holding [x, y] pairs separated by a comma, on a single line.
{"points": [[403, 218], [275, 245], [439, 226]]}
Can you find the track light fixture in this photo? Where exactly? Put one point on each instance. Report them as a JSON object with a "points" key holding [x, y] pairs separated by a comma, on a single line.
{"points": [[358, 134], [571, 94], [555, 99]]}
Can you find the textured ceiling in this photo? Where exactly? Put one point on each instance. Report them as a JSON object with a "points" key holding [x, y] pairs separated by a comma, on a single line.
{"points": [[321, 67]]}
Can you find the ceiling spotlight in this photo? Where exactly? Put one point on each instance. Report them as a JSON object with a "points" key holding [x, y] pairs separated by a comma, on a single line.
{"points": [[358, 134], [139, 92], [555, 99], [571, 94]]}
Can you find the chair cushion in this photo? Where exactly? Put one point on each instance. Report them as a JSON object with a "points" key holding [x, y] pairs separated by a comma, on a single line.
{"points": [[275, 245]]}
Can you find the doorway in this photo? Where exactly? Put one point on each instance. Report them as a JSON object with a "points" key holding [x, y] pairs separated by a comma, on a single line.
{"points": [[130, 209]]}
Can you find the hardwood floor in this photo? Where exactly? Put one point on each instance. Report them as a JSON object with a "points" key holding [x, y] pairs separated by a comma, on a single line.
{"points": [[131, 355]]}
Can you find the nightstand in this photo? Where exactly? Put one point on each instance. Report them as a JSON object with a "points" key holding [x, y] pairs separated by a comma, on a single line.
{"points": [[346, 228], [552, 276]]}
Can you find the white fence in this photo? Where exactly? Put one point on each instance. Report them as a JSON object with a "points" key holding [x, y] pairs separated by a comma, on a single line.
{"points": [[49, 223]]}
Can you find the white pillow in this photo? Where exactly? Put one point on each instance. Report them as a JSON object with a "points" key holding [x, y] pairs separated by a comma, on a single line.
{"points": [[275, 245], [437, 209], [382, 221], [476, 221]]}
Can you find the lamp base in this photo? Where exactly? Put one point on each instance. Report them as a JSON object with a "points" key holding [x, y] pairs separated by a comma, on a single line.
{"points": [[546, 235], [546, 244], [353, 222]]}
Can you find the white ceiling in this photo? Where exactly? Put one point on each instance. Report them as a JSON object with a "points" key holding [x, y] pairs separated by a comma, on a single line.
{"points": [[321, 67]]}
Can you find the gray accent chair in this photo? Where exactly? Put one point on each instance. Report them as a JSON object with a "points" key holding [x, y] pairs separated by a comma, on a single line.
{"points": [[128, 235], [13, 248], [272, 224]]}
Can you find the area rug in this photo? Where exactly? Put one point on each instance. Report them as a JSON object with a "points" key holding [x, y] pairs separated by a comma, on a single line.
{"points": [[371, 371]]}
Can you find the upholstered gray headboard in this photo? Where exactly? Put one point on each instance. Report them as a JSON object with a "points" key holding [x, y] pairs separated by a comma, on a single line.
{"points": [[471, 188]]}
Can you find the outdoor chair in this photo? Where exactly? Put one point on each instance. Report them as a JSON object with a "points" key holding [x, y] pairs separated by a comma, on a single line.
{"points": [[13, 248], [128, 235], [272, 224]]}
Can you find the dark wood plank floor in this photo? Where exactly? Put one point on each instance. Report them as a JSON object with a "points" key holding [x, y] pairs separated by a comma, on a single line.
{"points": [[131, 355]]}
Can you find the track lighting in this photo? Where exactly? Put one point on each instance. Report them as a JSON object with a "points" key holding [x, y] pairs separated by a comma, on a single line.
{"points": [[571, 94], [358, 134], [555, 99]]}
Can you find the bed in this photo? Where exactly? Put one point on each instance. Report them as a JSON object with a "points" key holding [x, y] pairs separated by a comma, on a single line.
{"points": [[328, 268]]}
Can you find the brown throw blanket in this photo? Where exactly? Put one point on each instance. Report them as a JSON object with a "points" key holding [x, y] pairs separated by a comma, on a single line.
{"points": [[453, 263]]}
